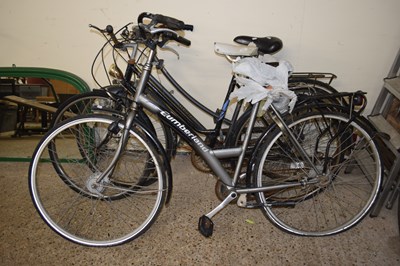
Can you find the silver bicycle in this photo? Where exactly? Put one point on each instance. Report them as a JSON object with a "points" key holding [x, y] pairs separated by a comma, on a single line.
{"points": [[100, 180]]}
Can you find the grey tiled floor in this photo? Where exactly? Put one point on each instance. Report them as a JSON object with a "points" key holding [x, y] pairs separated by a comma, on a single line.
{"points": [[174, 239]]}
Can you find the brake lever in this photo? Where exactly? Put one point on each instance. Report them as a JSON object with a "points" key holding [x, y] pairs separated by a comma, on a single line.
{"points": [[169, 48], [158, 30]]}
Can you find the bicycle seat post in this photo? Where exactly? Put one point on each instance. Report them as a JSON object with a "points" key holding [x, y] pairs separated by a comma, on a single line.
{"points": [[246, 141]]}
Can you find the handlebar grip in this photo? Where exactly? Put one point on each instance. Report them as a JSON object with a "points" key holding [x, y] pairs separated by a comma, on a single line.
{"points": [[144, 15], [188, 27], [183, 41], [169, 22]]}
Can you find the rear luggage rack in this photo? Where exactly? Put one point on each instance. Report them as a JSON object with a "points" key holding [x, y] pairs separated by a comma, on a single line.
{"points": [[316, 76]]}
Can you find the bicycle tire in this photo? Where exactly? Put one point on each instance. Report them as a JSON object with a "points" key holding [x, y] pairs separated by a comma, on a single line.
{"points": [[342, 196], [102, 213]]}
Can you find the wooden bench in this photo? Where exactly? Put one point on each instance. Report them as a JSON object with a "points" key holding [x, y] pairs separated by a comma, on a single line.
{"points": [[30, 103], [43, 108]]}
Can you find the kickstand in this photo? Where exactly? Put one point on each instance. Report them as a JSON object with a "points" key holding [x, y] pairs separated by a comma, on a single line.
{"points": [[206, 226]]}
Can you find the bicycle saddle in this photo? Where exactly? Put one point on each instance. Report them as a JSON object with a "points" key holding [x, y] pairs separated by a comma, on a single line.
{"points": [[265, 45]]}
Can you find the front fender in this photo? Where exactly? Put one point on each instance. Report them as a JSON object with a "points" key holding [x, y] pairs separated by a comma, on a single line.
{"points": [[163, 155]]}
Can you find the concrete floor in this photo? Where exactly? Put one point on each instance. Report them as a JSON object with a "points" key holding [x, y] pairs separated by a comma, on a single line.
{"points": [[174, 239]]}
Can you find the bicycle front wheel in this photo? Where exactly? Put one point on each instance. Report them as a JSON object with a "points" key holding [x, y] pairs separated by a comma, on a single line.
{"points": [[66, 190], [346, 175]]}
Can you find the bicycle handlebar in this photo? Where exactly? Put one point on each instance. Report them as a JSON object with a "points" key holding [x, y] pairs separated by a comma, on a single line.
{"points": [[168, 22], [168, 26]]}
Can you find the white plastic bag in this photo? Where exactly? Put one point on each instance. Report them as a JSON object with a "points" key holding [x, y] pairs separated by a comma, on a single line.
{"points": [[260, 81]]}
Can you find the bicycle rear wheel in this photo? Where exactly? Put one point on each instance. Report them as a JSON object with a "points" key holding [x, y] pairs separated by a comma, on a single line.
{"points": [[100, 102], [303, 87], [346, 154], [96, 101], [64, 187]]}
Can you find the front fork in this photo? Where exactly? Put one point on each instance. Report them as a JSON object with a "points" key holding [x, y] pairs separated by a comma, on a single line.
{"points": [[130, 115], [121, 143]]}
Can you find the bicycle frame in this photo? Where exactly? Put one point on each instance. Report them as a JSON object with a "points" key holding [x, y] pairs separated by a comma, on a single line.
{"points": [[213, 156], [210, 155]]}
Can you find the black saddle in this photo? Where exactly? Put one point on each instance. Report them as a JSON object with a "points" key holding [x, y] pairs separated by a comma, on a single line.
{"points": [[265, 45]]}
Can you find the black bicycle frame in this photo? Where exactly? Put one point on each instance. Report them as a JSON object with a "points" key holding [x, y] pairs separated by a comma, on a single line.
{"points": [[169, 102], [184, 130]]}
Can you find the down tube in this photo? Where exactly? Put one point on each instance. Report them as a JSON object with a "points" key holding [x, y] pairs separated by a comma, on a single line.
{"points": [[190, 137]]}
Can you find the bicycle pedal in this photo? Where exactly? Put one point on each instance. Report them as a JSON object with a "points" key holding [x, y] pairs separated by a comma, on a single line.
{"points": [[206, 226]]}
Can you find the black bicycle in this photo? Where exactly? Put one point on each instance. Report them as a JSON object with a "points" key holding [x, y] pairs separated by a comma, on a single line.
{"points": [[115, 99]]}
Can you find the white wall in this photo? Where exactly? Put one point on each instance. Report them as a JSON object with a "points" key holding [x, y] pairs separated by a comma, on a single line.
{"points": [[355, 39]]}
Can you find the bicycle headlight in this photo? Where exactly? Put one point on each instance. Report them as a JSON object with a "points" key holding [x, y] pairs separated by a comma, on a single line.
{"points": [[115, 72]]}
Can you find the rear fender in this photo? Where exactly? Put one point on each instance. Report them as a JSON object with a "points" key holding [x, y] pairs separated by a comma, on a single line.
{"points": [[255, 152]]}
